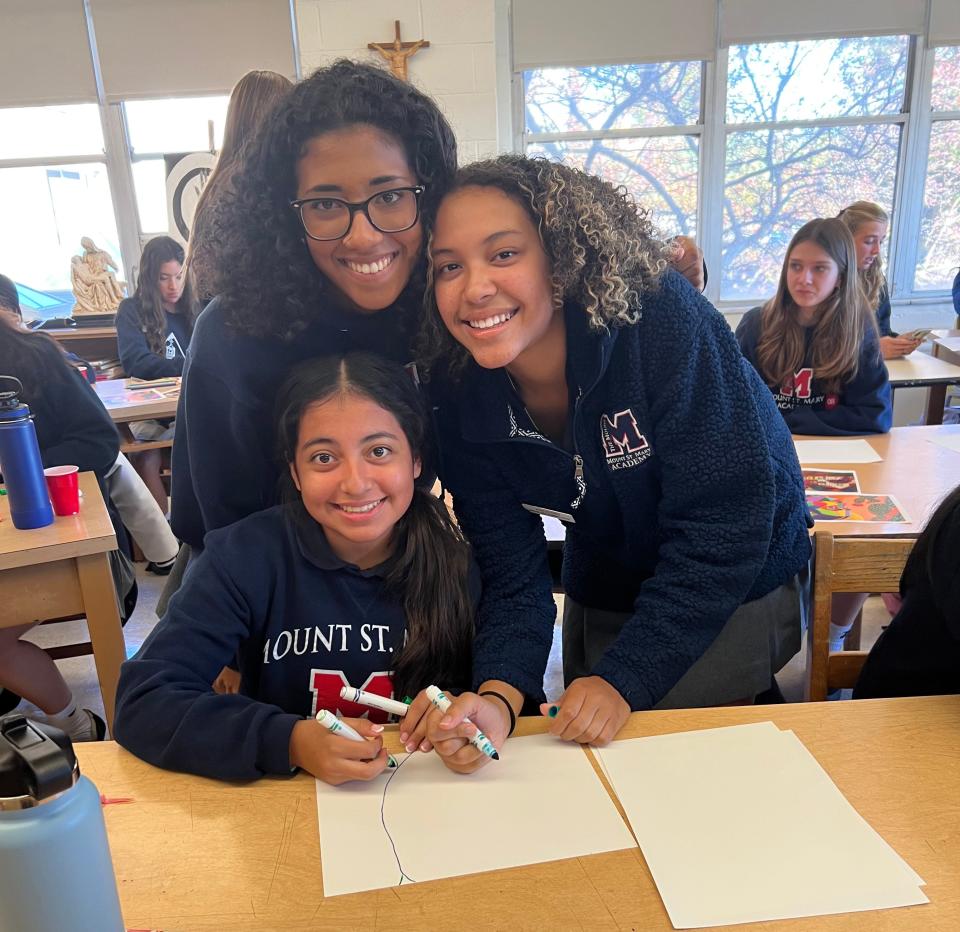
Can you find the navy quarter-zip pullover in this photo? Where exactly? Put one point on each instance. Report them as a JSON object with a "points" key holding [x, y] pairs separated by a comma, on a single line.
{"points": [[681, 477]]}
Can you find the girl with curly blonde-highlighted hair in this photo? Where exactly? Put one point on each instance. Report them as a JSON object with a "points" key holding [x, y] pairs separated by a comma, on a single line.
{"points": [[599, 388], [601, 247]]}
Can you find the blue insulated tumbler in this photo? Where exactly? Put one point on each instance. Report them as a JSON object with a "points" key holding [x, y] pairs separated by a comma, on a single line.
{"points": [[20, 461], [55, 867]]}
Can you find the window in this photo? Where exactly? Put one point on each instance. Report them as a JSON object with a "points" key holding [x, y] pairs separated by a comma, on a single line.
{"points": [[811, 126], [634, 125], [171, 126], [938, 254], [54, 190]]}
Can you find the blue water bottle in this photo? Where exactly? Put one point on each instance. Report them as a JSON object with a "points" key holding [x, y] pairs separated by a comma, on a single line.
{"points": [[20, 461], [55, 867]]}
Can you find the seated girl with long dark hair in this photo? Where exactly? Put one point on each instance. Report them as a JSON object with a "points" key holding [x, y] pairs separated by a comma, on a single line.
{"points": [[360, 579]]}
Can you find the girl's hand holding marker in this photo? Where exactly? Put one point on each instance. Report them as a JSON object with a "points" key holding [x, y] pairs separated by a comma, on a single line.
{"points": [[464, 732], [337, 750], [591, 711]]}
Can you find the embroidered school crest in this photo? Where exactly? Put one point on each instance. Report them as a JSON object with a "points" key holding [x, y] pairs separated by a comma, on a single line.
{"points": [[623, 444]]}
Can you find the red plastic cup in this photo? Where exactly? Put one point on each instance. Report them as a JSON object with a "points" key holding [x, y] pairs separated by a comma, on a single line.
{"points": [[64, 488]]}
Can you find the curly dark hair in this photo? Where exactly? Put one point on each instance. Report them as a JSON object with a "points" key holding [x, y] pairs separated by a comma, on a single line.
{"points": [[268, 282], [601, 247]]}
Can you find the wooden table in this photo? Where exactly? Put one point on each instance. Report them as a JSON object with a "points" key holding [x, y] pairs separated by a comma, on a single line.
{"points": [[916, 472], [199, 855], [946, 345], [919, 370], [88, 342], [125, 404], [63, 570]]}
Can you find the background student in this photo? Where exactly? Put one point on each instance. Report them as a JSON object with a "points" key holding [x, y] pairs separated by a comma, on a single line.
{"points": [[135, 505], [252, 99], [815, 342], [362, 578], [918, 653], [153, 332], [72, 429], [587, 378], [868, 224]]}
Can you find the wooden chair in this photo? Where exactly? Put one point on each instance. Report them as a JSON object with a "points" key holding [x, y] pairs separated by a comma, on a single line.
{"points": [[846, 564]]}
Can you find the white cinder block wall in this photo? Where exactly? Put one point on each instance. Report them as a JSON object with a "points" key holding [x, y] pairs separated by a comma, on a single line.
{"points": [[457, 70]]}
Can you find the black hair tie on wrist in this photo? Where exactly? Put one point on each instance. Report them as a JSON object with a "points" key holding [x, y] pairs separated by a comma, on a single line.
{"points": [[506, 702]]}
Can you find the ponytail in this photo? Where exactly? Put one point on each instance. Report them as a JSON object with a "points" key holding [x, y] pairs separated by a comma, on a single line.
{"points": [[429, 572]]}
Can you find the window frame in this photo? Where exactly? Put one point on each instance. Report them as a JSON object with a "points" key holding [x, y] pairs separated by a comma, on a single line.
{"points": [[915, 120]]}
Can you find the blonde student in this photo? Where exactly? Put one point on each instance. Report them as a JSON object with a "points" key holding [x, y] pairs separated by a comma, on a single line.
{"points": [[586, 379], [815, 342], [868, 224], [361, 578]]}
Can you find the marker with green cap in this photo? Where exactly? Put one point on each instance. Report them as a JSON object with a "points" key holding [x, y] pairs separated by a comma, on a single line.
{"points": [[341, 728], [480, 741]]}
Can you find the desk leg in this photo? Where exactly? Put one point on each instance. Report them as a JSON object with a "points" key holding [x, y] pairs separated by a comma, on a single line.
{"points": [[103, 623], [935, 403]]}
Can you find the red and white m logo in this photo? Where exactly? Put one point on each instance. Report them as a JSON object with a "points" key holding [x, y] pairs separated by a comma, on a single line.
{"points": [[800, 385], [620, 434]]}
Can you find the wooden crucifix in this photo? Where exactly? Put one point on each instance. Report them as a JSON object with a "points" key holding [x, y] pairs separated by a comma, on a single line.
{"points": [[398, 52]]}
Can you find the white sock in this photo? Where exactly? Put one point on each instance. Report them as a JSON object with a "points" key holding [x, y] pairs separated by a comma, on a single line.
{"points": [[77, 723], [837, 634]]}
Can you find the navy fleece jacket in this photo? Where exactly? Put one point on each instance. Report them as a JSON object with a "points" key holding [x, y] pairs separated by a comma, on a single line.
{"points": [[681, 477], [224, 463], [141, 362], [863, 406]]}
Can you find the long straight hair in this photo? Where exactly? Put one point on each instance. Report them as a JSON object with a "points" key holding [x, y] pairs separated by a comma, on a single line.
{"points": [[428, 570], [872, 279], [159, 250], [27, 354], [841, 324], [252, 100]]}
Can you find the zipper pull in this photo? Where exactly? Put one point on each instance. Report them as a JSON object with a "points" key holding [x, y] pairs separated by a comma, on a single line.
{"points": [[578, 478]]}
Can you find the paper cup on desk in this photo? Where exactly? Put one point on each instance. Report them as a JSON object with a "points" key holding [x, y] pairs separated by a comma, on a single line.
{"points": [[64, 488]]}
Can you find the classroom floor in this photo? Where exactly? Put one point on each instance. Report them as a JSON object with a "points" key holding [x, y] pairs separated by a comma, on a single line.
{"points": [[81, 676]]}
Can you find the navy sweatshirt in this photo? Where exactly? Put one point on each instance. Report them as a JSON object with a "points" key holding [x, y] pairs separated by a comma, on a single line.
{"points": [[682, 479], [883, 315], [918, 654], [73, 427], [864, 405], [305, 624], [138, 360], [224, 463]]}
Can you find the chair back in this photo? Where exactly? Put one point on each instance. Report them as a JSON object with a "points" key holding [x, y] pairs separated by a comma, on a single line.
{"points": [[846, 564]]}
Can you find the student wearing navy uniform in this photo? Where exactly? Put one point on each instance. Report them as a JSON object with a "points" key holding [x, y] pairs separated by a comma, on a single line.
{"points": [[360, 579], [589, 380], [154, 326], [868, 224], [73, 429], [815, 342], [918, 653]]}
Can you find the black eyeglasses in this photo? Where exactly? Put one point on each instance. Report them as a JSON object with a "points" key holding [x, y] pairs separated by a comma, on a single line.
{"points": [[329, 218]]}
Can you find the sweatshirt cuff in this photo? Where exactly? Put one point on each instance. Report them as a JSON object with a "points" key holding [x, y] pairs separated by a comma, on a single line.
{"points": [[530, 686], [625, 682], [274, 756]]}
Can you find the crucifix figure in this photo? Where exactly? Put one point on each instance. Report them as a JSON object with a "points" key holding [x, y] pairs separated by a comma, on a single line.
{"points": [[398, 52]]}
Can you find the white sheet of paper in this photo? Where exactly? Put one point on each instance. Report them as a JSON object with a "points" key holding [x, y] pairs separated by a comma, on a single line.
{"points": [[742, 825], [514, 811], [823, 452], [950, 441]]}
